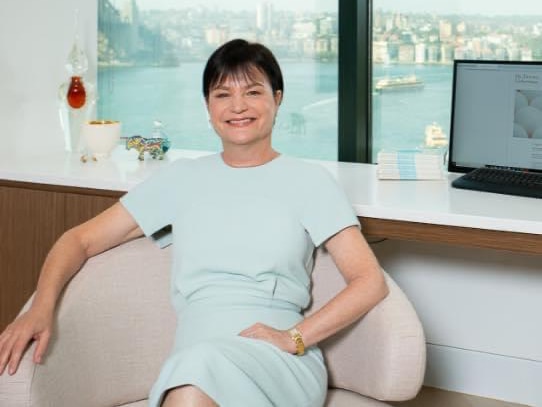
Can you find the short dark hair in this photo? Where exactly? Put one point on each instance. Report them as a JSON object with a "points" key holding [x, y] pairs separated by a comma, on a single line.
{"points": [[239, 58]]}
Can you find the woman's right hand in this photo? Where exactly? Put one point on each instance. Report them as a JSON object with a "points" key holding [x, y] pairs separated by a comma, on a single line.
{"points": [[32, 325], [112, 227]]}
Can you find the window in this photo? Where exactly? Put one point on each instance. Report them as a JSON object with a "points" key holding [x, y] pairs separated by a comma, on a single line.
{"points": [[393, 77], [151, 56], [414, 43]]}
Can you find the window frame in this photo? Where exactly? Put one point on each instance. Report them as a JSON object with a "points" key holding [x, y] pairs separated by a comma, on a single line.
{"points": [[354, 89]]}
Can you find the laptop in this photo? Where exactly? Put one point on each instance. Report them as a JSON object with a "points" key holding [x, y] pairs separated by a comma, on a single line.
{"points": [[496, 126]]}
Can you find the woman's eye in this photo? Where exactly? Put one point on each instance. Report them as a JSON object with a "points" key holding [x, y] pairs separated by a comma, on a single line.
{"points": [[253, 93], [221, 95]]}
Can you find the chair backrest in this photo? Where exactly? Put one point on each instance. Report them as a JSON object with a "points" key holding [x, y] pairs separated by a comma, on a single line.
{"points": [[383, 354]]}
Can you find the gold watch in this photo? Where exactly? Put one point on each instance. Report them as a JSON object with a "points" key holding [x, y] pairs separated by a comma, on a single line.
{"points": [[298, 339]]}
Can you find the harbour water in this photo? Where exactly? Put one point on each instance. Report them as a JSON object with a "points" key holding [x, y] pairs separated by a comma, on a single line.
{"points": [[307, 121]]}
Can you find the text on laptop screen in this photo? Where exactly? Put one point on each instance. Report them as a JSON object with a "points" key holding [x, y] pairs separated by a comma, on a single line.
{"points": [[496, 115]]}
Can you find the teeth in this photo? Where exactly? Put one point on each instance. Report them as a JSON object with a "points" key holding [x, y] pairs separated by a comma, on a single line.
{"points": [[239, 121]]}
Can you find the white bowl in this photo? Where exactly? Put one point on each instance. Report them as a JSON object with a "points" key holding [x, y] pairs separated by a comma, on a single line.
{"points": [[101, 137]]}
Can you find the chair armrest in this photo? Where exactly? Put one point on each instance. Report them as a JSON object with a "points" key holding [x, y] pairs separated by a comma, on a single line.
{"points": [[15, 390], [108, 344], [383, 354]]}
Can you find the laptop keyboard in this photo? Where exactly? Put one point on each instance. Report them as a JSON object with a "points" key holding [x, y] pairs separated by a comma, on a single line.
{"points": [[502, 181]]}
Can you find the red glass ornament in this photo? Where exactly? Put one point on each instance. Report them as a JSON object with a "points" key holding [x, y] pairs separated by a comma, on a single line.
{"points": [[77, 94]]}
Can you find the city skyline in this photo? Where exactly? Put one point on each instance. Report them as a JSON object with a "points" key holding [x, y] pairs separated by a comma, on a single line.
{"points": [[485, 7], [192, 33], [239, 5]]}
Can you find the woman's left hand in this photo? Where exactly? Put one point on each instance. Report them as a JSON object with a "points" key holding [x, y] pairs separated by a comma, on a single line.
{"points": [[280, 339]]}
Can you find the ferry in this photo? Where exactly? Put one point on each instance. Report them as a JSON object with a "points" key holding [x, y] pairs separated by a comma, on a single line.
{"points": [[434, 136], [398, 83]]}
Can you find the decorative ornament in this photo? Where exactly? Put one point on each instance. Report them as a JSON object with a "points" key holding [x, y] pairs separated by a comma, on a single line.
{"points": [[157, 145], [76, 97]]}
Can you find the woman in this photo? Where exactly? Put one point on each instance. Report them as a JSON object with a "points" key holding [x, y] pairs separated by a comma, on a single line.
{"points": [[245, 223]]}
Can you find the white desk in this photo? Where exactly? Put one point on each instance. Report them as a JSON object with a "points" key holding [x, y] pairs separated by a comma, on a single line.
{"points": [[411, 210], [433, 211]]}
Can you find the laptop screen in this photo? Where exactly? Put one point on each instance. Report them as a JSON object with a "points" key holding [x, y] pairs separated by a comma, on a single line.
{"points": [[496, 115]]}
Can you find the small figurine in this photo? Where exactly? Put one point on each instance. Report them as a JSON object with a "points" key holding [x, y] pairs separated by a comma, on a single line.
{"points": [[156, 147]]}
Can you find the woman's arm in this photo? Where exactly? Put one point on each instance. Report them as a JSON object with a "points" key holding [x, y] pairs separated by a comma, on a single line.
{"points": [[110, 228], [366, 287]]}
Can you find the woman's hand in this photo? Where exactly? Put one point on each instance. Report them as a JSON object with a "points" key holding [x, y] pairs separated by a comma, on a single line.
{"points": [[32, 325], [281, 339]]}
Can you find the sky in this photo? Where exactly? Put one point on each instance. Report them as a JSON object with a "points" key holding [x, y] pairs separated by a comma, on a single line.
{"points": [[492, 7]]}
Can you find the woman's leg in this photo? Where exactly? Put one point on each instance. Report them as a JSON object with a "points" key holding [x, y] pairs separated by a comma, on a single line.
{"points": [[187, 396]]}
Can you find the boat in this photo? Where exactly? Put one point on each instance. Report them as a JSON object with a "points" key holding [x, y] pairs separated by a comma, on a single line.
{"points": [[398, 83], [434, 136]]}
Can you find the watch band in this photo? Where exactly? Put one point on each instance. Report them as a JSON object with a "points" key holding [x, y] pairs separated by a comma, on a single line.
{"points": [[298, 339]]}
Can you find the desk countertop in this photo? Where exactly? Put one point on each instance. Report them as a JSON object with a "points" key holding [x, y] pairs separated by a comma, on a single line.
{"points": [[433, 202]]}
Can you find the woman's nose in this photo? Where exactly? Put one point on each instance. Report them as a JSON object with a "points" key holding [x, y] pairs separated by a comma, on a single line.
{"points": [[238, 104]]}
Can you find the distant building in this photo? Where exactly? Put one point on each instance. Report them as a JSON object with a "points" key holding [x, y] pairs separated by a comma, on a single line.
{"points": [[121, 22], [334, 45], [304, 28], [378, 19], [322, 46], [326, 26], [433, 54], [380, 52], [420, 53], [526, 54], [309, 50], [514, 53], [406, 53], [216, 35], [445, 30], [446, 53], [476, 46], [264, 16], [129, 12], [461, 27], [460, 53]]}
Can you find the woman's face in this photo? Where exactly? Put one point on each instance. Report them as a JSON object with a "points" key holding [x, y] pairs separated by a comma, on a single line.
{"points": [[243, 109]]}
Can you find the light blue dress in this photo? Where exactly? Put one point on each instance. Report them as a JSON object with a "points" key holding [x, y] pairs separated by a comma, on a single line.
{"points": [[243, 242]]}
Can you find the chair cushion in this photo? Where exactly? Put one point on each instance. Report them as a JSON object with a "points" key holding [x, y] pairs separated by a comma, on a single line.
{"points": [[140, 403], [381, 356], [345, 398], [335, 398]]}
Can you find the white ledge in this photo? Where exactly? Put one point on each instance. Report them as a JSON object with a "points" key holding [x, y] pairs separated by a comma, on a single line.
{"points": [[433, 202]]}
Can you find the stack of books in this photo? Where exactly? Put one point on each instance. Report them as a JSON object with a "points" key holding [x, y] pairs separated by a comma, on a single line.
{"points": [[411, 164]]}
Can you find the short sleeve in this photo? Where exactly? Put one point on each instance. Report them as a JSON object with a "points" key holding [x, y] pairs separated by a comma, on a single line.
{"points": [[327, 210], [154, 202]]}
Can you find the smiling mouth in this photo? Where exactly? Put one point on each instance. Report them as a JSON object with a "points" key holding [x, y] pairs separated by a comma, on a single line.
{"points": [[240, 122]]}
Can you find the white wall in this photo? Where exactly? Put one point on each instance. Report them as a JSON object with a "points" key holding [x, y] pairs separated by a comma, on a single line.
{"points": [[35, 39], [481, 311]]}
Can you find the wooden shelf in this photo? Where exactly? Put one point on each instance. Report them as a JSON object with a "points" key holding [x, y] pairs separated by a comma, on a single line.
{"points": [[454, 235], [33, 216]]}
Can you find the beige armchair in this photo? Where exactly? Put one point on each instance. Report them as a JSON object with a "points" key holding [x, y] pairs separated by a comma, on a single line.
{"points": [[115, 327]]}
